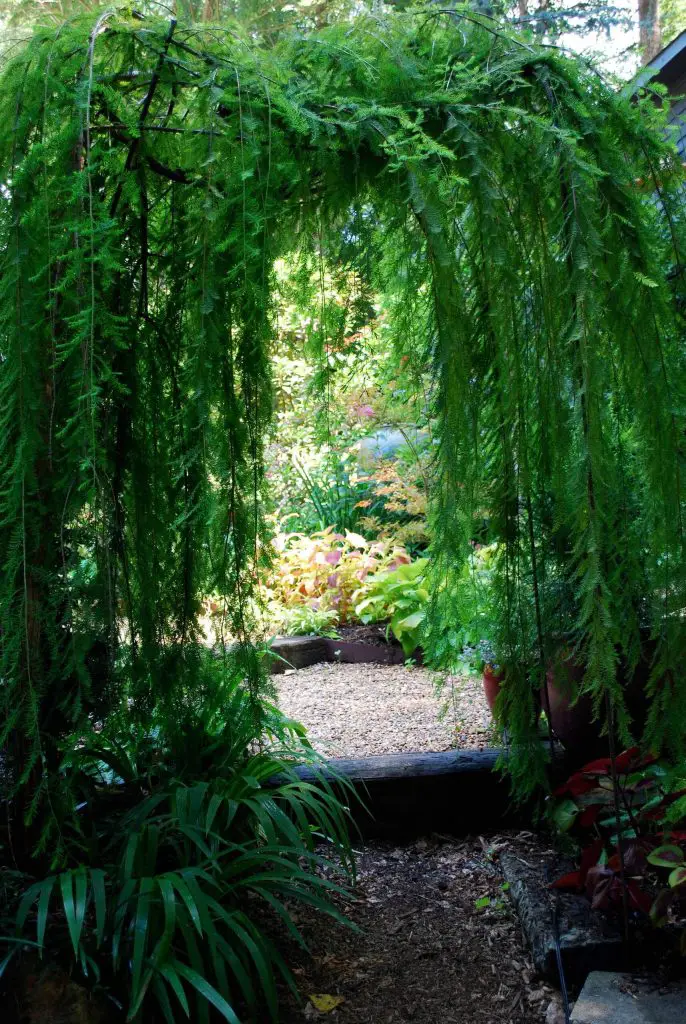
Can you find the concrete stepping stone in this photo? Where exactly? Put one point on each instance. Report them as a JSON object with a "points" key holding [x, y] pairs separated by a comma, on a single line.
{"points": [[612, 998]]}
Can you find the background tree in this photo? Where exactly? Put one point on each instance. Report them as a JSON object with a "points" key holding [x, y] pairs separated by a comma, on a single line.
{"points": [[656, 22], [649, 29]]}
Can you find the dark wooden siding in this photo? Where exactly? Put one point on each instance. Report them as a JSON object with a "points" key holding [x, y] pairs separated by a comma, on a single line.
{"points": [[677, 89]]}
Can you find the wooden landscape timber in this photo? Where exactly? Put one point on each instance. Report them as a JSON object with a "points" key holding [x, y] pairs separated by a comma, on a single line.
{"points": [[455, 792], [294, 652]]}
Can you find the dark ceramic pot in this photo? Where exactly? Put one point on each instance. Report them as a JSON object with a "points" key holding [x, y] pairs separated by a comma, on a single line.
{"points": [[572, 719]]}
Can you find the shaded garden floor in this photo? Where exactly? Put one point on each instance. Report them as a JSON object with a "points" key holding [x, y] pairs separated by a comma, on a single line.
{"points": [[363, 709], [440, 941]]}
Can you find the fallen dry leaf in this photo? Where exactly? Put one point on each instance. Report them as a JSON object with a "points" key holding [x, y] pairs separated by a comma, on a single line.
{"points": [[326, 1003]]}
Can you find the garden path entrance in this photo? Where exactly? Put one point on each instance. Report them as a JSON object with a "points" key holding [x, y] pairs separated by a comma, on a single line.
{"points": [[440, 942]]}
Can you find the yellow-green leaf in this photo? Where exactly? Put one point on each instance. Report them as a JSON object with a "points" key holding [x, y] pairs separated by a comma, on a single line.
{"points": [[325, 1003], [647, 281], [356, 540]]}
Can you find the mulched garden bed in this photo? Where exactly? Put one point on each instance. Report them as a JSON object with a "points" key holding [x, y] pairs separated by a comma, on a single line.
{"points": [[356, 710], [440, 942], [375, 634]]}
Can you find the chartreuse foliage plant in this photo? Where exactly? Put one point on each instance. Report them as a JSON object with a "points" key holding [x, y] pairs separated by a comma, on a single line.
{"points": [[523, 223], [400, 595]]}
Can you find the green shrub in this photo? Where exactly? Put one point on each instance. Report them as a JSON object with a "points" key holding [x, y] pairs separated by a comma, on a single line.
{"points": [[461, 618], [336, 494], [461, 638], [303, 620], [400, 596]]}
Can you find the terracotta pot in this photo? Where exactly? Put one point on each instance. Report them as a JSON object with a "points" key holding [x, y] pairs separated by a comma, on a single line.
{"points": [[572, 720], [492, 680]]}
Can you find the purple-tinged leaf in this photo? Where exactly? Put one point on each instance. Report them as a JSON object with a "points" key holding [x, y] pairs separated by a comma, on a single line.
{"points": [[666, 856], [677, 877]]}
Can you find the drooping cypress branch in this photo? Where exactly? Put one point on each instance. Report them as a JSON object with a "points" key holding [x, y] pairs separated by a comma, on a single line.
{"points": [[151, 174]]}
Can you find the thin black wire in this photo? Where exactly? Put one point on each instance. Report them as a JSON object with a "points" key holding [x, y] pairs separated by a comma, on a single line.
{"points": [[558, 950]]}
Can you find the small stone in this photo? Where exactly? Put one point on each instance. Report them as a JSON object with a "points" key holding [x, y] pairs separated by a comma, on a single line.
{"points": [[555, 1013]]}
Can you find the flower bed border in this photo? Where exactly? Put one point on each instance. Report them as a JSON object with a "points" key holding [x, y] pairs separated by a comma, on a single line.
{"points": [[294, 652]]}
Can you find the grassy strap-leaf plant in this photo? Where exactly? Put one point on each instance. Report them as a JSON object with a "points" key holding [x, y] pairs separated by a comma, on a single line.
{"points": [[524, 220]]}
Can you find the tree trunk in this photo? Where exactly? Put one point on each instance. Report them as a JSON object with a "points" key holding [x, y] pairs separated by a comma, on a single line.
{"points": [[649, 30]]}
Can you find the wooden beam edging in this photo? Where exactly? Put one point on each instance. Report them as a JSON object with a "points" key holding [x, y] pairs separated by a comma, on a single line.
{"points": [[404, 795], [379, 767], [294, 652], [455, 792]]}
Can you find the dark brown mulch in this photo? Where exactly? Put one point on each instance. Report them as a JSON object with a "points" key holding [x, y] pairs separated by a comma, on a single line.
{"points": [[439, 943], [374, 634]]}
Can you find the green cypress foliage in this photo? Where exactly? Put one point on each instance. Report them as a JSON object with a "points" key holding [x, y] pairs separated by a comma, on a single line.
{"points": [[152, 172]]}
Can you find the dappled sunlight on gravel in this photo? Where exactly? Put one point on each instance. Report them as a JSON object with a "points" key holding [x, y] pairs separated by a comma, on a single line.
{"points": [[363, 709]]}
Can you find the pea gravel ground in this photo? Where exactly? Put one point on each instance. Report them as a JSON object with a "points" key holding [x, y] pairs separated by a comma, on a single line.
{"points": [[358, 710]]}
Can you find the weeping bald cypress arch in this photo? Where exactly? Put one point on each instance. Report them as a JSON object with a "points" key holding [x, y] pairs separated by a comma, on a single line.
{"points": [[524, 222]]}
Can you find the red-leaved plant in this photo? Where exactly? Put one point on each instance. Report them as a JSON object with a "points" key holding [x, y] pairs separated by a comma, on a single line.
{"points": [[619, 814]]}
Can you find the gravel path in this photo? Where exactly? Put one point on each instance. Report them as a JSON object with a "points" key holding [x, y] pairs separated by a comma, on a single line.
{"points": [[357, 710]]}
